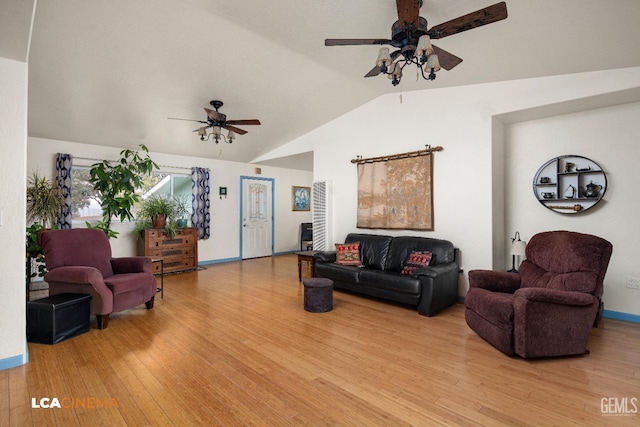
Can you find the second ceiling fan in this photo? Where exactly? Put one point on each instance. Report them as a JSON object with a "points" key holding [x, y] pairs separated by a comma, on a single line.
{"points": [[216, 121], [411, 36]]}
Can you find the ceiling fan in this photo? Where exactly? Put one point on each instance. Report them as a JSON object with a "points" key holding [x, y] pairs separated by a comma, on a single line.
{"points": [[409, 34], [217, 121]]}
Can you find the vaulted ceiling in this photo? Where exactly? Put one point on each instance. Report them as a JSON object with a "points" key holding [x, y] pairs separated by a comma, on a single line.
{"points": [[112, 72]]}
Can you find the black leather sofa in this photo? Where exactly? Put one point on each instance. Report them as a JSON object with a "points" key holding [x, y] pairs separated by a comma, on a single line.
{"points": [[430, 289]]}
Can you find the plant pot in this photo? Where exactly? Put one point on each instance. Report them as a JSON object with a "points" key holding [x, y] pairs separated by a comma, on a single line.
{"points": [[159, 221], [182, 222]]}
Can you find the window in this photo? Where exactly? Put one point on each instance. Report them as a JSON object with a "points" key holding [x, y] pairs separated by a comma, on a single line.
{"points": [[86, 203]]}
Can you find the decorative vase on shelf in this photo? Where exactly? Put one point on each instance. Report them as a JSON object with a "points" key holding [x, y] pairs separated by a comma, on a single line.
{"points": [[570, 192]]}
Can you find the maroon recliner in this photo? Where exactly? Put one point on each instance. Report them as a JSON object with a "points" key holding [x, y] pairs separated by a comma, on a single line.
{"points": [[547, 308], [79, 261]]}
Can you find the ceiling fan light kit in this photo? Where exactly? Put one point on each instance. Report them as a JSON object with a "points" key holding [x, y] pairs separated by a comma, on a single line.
{"points": [[216, 121], [422, 56], [216, 134], [411, 36]]}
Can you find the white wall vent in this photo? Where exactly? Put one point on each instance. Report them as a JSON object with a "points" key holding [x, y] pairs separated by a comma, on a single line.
{"points": [[321, 207]]}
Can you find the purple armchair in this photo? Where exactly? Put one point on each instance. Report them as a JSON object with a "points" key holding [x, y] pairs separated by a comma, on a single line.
{"points": [[79, 261], [548, 308]]}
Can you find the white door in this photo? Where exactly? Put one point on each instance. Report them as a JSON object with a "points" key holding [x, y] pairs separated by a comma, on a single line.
{"points": [[257, 218]]}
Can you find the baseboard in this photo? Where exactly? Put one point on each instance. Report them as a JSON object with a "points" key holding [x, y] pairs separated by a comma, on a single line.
{"points": [[219, 261], [627, 317], [223, 260], [286, 252], [13, 361]]}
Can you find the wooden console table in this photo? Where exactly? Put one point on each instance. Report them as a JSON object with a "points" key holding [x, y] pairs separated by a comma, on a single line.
{"points": [[308, 257]]}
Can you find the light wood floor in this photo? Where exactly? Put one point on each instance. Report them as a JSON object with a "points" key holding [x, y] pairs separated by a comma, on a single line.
{"points": [[232, 345]]}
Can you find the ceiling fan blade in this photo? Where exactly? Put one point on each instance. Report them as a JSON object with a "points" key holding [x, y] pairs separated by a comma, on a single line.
{"points": [[447, 60], [243, 122], [353, 42], [481, 17], [235, 129], [205, 127], [215, 116], [408, 13], [188, 120], [376, 70]]}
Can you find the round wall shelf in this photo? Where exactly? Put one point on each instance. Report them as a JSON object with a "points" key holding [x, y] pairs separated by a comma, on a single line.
{"points": [[569, 184]]}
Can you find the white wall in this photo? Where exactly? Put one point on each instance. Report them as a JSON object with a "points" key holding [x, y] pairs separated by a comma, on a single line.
{"points": [[13, 140], [224, 243], [607, 136], [470, 201]]}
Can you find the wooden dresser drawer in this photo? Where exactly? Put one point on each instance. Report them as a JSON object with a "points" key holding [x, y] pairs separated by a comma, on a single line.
{"points": [[179, 253]]}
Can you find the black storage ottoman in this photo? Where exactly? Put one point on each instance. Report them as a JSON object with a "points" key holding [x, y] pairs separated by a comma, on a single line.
{"points": [[318, 294], [58, 317]]}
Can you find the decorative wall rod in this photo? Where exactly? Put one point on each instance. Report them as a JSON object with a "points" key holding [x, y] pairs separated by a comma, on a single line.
{"points": [[428, 150]]}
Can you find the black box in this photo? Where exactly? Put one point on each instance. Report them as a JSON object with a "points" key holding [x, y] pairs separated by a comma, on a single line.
{"points": [[58, 317]]}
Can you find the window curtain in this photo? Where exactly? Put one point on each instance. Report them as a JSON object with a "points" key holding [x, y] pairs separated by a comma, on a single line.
{"points": [[63, 178], [200, 189]]}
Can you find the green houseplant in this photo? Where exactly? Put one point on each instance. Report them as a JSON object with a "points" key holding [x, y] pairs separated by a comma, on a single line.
{"points": [[183, 209], [157, 209], [35, 266], [157, 212], [44, 200], [116, 184]]}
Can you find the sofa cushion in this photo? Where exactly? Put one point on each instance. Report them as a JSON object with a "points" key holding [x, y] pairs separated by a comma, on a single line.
{"points": [[390, 281], [340, 273], [568, 261], [416, 259], [348, 254], [127, 282], [373, 249], [400, 248], [61, 249], [495, 307]]}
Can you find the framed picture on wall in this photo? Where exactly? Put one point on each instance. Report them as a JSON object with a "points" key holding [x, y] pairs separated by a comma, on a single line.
{"points": [[300, 198]]}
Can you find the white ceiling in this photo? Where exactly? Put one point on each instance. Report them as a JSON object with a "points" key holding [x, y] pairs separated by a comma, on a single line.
{"points": [[112, 72]]}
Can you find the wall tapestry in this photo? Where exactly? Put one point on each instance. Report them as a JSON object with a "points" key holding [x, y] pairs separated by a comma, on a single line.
{"points": [[395, 192]]}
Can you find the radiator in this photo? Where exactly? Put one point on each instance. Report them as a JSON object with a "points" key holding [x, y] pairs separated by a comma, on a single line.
{"points": [[321, 208]]}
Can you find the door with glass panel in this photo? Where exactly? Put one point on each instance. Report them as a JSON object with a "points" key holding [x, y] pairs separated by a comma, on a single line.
{"points": [[257, 217]]}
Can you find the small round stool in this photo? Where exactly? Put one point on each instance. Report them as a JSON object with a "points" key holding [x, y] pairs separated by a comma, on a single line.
{"points": [[318, 295]]}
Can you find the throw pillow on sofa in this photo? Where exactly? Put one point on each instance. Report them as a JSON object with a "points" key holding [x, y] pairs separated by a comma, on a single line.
{"points": [[348, 254], [415, 261]]}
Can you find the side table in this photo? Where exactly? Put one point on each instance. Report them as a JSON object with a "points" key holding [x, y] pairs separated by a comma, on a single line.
{"points": [[308, 257], [161, 288]]}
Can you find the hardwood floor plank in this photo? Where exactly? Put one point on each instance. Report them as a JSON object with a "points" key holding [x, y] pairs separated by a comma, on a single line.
{"points": [[232, 345]]}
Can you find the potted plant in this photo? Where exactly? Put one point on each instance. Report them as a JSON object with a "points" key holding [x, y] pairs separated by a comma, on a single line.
{"points": [[183, 209], [116, 184], [44, 200], [158, 210]]}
